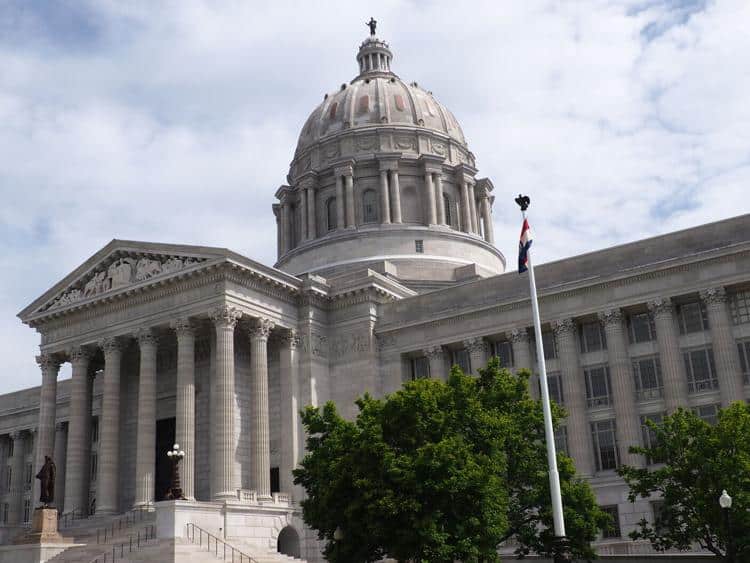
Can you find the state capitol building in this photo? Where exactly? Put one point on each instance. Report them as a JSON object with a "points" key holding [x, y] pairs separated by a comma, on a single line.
{"points": [[387, 271]]}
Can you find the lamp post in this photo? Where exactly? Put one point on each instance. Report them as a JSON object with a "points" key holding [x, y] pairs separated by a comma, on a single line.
{"points": [[175, 455], [725, 502]]}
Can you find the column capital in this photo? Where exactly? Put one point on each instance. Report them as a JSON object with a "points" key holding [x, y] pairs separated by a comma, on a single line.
{"points": [[146, 337], [714, 295], [610, 317], [290, 339], [344, 170], [564, 326], [517, 335], [477, 344], [433, 352], [183, 326], [260, 327], [79, 354], [111, 345], [661, 306], [225, 316], [49, 362]]}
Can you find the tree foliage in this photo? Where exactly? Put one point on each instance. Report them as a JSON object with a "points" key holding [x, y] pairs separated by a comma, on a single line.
{"points": [[439, 472], [701, 461]]}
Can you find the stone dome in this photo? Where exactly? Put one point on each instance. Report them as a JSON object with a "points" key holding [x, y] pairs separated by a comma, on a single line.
{"points": [[376, 97]]}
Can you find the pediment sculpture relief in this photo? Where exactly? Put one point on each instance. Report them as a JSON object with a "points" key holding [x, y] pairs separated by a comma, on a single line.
{"points": [[120, 273]]}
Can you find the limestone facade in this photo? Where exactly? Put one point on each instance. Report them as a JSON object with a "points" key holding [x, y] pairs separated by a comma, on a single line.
{"points": [[210, 349]]}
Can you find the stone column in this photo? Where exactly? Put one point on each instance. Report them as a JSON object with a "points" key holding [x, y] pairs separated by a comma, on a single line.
{"points": [[574, 391], [61, 447], [17, 466], [79, 437], [145, 449], [489, 230], [726, 357], [385, 204], [439, 200], [473, 209], [436, 357], [395, 197], [185, 408], [623, 387], [519, 340], [260, 446], [286, 239], [45, 444], [291, 429], [312, 229], [670, 355], [477, 348], [430, 192], [224, 481], [465, 209], [303, 213], [349, 185], [340, 224], [108, 482]]}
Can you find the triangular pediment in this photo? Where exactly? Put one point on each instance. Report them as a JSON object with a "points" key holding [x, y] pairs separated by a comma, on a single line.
{"points": [[117, 266]]}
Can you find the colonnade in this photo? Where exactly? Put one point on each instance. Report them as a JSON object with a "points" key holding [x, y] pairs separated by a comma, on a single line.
{"points": [[224, 478]]}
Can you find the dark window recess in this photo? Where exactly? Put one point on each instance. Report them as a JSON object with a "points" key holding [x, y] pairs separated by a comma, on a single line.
{"points": [[419, 246], [649, 436], [605, 445], [592, 337], [641, 328], [369, 207], [648, 382], [420, 368], [504, 351], [462, 359], [613, 530], [275, 480], [708, 413], [701, 370], [692, 317]]}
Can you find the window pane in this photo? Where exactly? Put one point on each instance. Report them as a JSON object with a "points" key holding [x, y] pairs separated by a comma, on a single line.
{"points": [[692, 317], [649, 436], [548, 341], [744, 350], [709, 413], [370, 209], [561, 439], [699, 365], [592, 337], [597, 386], [420, 368], [605, 445], [331, 211], [462, 360], [504, 351], [739, 305], [613, 530]]}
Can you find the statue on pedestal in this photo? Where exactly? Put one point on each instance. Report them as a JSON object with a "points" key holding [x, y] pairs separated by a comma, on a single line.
{"points": [[46, 476]]}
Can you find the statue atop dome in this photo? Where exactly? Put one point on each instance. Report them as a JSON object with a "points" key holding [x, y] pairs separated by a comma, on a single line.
{"points": [[372, 24]]}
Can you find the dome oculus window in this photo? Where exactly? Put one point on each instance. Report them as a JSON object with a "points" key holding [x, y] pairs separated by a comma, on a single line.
{"points": [[369, 207]]}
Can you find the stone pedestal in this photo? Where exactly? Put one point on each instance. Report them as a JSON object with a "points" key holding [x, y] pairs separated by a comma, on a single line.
{"points": [[43, 528]]}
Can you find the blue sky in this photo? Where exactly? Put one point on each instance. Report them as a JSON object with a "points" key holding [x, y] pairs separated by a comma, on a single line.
{"points": [[176, 121]]}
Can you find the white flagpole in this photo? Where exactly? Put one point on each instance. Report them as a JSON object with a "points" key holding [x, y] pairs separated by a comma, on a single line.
{"points": [[549, 432]]}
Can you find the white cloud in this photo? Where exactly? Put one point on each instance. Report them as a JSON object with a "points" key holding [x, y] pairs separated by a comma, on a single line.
{"points": [[176, 122]]}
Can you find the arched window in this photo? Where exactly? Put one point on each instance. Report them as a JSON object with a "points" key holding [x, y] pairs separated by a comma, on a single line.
{"points": [[369, 207], [448, 211], [331, 213]]}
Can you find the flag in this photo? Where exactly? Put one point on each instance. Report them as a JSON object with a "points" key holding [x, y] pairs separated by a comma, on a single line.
{"points": [[523, 247]]}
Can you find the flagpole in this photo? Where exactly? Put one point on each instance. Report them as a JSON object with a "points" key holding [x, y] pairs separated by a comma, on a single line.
{"points": [[549, 432]]}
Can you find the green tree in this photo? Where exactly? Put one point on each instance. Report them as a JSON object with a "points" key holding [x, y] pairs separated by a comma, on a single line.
{"points": [[439, 472], [701, 461]]}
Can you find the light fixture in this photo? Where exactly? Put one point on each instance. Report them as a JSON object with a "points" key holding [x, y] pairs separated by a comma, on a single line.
{"points": [[725, 501]]}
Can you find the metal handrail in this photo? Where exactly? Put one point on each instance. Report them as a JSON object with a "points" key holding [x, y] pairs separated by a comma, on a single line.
{"points": [[72, 515], [209, 536], [117, 525], [149, 533]]}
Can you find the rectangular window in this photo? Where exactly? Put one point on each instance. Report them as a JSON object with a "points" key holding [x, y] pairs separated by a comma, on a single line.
{"points": [[649, 436], [744, 350], [27, 476], [592, 337], [504, 351], [26, 510], [6, 508], [419, 246], [739, 305], [701, 371], [548, 341], [461, 359], [420, 368], [94, 463], [554, 384], [8, 478], [275, 480], [641, 328], [94, 429], [597, 386], [647, 375], [692, 317], [613, 530], [605, 445], [708, 413], [11, 447], [657, 509], [561, 439]]}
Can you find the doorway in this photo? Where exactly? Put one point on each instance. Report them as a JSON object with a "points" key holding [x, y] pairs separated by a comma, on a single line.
{"points": [[165, 436]]}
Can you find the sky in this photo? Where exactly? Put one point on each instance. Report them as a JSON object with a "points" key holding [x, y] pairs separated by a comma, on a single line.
{"points": [[176, 121]]}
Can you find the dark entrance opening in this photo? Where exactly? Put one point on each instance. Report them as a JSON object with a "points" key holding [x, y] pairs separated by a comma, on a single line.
{"points": [[288, 542], [165, 436]]}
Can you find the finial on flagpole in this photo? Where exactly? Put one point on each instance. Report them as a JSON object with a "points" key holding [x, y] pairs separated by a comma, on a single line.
{"points": [[523, 202]]}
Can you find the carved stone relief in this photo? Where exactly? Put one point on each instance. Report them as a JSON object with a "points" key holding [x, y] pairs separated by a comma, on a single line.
{"points": [[350, 344]]}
